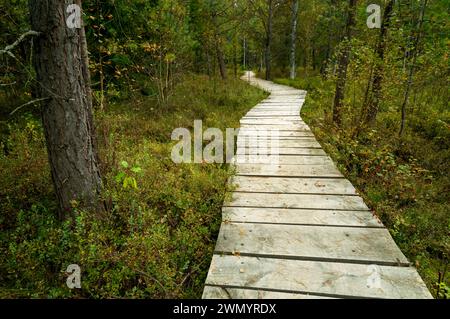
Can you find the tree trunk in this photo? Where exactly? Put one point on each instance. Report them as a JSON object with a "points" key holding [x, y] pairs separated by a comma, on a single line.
{"points": [[218, 42], [61, 64], [378, 72], [344, 60], [269, 31], [221, 61], [294, 38], [412, 66]]}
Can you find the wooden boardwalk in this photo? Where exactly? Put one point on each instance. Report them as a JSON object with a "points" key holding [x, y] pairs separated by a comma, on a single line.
{"points": [[297, 228]]}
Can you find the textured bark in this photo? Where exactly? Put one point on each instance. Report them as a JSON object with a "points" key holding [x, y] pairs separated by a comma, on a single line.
{"points": [[344, 60], [221, 61], [378, 71], [218, 42], [294, 18], [61, 64], [412, 66], [268, 44]]}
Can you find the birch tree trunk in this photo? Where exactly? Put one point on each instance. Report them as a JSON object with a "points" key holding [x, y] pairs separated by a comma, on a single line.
{"points": [[294, 39]]}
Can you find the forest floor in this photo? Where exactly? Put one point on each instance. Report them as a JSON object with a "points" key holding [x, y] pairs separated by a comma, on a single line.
{"points": [[405, 181], [157, 237]]}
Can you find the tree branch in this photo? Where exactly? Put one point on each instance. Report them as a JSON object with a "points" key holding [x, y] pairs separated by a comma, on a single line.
{"points": [[29, 103], [9, 48]]}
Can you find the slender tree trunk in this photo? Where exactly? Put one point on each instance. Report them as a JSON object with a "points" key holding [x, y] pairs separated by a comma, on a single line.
{"points": [[221, 61], [294, 9], [344, 60], [218, 43], [245, 54], [313, 58], [269, 31], [61, 64], [374, 97], [331, 28], [412, 66]]}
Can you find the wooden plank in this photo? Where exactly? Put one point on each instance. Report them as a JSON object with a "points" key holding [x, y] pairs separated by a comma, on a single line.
{"points": [[275, 113], [323, 278], [274, 142], [272, 120], [344, 244], [287, 170], [266, 136], [304, 201], [211, 292], [295, 160], [277, 108], [292, 127], [282, 151], [281, 133], [253, 184], [300, 216]]}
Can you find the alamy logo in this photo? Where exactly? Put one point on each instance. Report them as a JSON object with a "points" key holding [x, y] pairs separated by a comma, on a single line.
{"points": [[253, 146], [374, 19], [374, 279], [74, 19], [74, 279]]}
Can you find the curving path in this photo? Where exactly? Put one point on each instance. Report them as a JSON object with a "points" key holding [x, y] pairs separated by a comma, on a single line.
{"points": [[294, 227]]}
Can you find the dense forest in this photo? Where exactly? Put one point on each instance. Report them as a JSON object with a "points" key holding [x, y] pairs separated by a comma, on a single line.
{"points": [[112, 200]]}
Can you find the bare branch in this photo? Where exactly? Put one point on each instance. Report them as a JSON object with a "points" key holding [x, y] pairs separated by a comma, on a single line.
{"points": [[10, 47], [29, 103]]}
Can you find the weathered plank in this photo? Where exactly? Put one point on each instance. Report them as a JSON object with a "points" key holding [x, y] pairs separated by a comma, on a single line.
{"points": [[212, 292], [300, 216], [344, 244], [291, 127], [271, 122], [281, 133], [287, 170], [271, 142], [281, 151], [321, 278], [305, 201], [282, 185], [295, 160], [290, 115]]}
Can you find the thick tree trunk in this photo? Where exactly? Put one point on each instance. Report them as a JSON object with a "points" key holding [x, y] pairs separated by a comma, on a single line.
{"points": [[294, 39], [378, 71], [61, 64], [344, 60], [269, 31]]}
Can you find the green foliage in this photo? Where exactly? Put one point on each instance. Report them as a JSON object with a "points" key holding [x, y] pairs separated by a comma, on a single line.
{"points": [[157, 235]]}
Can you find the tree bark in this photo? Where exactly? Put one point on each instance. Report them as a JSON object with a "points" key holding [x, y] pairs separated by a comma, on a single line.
{"points": [[344, 60], [61, 64], [378, 71], [218, 42], [269, 32], [412, 66], [294, 11], [221, 61]]}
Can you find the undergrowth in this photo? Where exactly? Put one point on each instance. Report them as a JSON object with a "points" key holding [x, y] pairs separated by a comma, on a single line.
{"points": [[157, 235]]}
